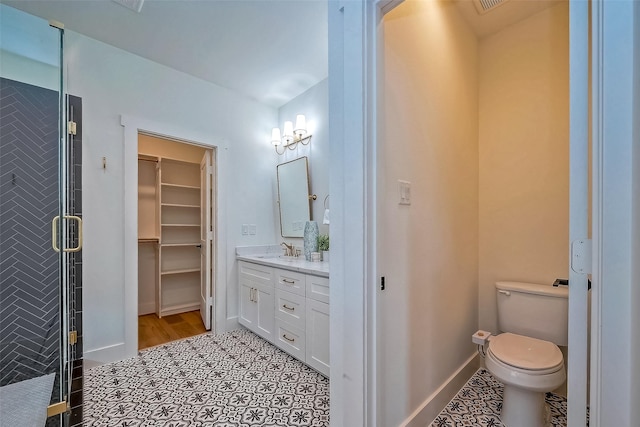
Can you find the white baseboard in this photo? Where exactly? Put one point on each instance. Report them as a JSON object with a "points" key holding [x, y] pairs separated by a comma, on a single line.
{"points": [[435, 403], [100, 356], [146, 308]]}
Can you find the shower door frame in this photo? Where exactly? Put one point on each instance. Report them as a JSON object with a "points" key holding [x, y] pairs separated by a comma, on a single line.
{"points": [[63, 238]]}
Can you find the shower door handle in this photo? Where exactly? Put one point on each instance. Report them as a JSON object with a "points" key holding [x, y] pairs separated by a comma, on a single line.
{"points": [[54, 233]]}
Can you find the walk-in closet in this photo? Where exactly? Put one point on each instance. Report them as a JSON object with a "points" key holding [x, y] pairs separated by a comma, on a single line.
{"points": [[175, 205]]}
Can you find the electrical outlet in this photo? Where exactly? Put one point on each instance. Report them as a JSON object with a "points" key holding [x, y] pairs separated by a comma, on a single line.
{"points": [[252, 229]]}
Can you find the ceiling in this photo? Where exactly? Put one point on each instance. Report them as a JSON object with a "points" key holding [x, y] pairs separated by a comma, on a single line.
{"points": [[506, 14], [269, 50]]}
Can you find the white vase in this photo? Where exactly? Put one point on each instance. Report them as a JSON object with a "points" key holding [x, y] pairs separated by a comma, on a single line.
{"points": [[325, 256]]}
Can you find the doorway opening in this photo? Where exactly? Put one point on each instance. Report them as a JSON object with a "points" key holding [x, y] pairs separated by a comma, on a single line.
{"points": [[176, 200]]}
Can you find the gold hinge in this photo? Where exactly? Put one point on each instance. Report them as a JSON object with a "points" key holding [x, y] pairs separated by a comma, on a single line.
{"points": [[72, 128], [57, 408], [73, 337]]}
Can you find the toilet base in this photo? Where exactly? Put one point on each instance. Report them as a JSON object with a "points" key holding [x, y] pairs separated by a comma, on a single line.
{"points": [[524, 408]]}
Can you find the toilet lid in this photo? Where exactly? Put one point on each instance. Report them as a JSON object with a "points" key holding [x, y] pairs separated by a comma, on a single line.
{"points": [[525, 352]]}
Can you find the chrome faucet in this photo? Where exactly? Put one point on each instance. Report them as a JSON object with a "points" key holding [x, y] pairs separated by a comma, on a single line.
{"points": [[288, 249]]}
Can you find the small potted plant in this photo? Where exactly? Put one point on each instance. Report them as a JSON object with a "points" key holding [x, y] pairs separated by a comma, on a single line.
{"points": [[323, 246]]}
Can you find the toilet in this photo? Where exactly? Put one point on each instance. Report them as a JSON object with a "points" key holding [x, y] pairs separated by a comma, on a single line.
{"points": [[533, 321]]}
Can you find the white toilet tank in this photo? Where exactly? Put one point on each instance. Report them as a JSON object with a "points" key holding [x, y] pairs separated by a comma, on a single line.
{"points": [[537, 311]]}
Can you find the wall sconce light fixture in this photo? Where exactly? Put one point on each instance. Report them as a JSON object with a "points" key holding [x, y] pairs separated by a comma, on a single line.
{"points": [[291, 135]]}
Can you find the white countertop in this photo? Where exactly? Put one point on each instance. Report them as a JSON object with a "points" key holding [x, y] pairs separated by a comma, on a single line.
{"points": [[271, 256]]}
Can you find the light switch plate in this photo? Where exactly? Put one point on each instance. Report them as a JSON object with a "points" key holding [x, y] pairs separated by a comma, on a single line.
{"points": [[404, 192], [245, 229]]}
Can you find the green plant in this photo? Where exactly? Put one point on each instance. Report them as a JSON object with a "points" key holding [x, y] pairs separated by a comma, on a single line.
{"points": [[323, 242]]}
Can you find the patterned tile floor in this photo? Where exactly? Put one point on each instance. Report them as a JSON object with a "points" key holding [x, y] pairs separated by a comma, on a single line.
{"points": [[234, 379], [478, 403]]}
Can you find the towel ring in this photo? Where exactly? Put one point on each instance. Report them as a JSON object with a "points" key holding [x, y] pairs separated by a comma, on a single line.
{"points": [[325, 201]]}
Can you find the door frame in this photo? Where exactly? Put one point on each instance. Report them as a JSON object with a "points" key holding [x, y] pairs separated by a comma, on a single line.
{"points": [[132, 126], [579, 94]]}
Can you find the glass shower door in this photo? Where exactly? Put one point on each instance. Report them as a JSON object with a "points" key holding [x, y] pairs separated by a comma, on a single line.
{"points": [[34, 230]]}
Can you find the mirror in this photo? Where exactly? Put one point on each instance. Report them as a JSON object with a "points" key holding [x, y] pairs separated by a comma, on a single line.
{"points": [[293, 197]]}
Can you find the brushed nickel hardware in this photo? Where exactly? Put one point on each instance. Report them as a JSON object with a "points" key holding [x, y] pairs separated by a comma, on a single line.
{"points": [[288, 339], [291, 282], [286, 307]]}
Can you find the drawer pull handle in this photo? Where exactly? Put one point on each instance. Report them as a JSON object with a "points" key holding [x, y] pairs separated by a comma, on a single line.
{"points": [[291, 282], [288, 339], [286, 307]]}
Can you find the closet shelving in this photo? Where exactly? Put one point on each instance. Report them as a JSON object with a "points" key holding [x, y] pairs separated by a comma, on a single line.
{"points": [[179, 214]]}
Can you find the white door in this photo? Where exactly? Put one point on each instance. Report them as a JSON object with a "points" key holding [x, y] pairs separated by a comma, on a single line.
{"points": [[580, 246], [206, 238]]}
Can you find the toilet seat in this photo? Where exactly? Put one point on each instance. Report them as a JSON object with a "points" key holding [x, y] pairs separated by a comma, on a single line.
{"points": [[525, 354]]}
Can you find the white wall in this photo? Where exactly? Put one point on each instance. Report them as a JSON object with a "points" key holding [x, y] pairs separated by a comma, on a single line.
{"points": [[314, 104], [113, 83], [616, 215], [635, 191], [524, 155], [29, 49], [428, 250]]}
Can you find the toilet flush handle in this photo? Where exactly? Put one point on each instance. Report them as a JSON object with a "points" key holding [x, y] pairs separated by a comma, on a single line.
{"points": [[507, 293]]}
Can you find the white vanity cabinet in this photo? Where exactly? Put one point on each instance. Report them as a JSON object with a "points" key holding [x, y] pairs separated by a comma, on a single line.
{"points": [[317, 323], [257, 295], [298, 320]]}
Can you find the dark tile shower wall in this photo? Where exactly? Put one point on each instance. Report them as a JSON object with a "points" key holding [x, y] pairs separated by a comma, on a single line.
{"points": [[29, 300], [74, 207], [29, 306]]}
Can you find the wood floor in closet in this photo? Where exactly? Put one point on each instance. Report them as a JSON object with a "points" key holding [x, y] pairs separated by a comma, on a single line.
{"points": [[154, 331]]}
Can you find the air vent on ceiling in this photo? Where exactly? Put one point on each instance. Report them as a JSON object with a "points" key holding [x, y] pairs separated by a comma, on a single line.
{"points": [[484, 6], [135, 5]]}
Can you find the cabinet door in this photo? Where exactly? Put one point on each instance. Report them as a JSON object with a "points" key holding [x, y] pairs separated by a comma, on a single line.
{"points": [[317, 335], [265, 311], [248, 307]]}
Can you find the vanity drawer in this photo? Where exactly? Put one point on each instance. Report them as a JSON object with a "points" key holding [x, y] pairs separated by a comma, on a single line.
{"points": [[290, 339], [290, 281], [317, 288], [290, 308], [255, 273]]}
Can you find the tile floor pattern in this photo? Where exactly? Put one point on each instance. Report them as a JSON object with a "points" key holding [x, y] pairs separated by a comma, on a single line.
{"points": [[234, 379], [478, 403]]}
